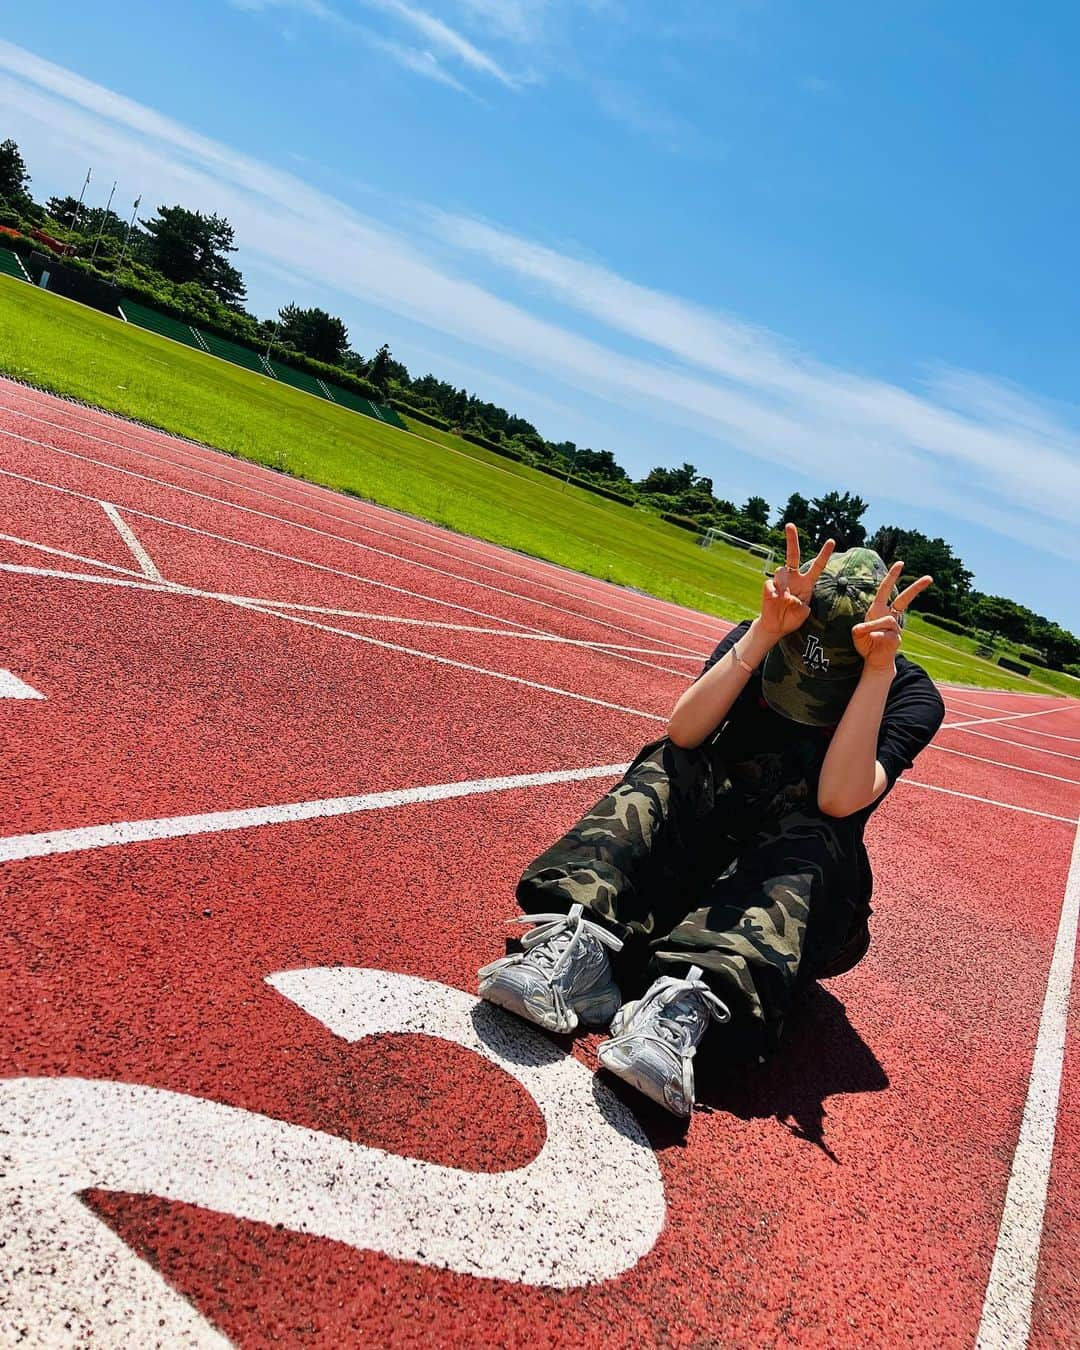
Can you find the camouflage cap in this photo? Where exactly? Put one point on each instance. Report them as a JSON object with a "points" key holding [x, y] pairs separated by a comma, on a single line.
{"points": [[811, 673]]}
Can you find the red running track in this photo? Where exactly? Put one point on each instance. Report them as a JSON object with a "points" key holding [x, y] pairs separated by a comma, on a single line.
{"points": [[156, 872]]}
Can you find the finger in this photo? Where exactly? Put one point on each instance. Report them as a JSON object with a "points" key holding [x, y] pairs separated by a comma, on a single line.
{"points": [[818, 565], [910, 592], [892, 576], [791, 534], [886, 624]]}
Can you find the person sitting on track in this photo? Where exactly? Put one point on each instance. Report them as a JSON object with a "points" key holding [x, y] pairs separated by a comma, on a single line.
{"points": [[730, 856]]}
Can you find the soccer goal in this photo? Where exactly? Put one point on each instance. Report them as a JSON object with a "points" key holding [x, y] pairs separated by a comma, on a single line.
{"points": [[762, 552]]}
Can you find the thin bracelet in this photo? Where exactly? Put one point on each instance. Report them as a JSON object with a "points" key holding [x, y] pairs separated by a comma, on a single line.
{"points": [[739, 661]]}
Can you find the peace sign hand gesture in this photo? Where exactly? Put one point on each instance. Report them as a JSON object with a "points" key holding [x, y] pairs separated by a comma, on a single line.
{"points": [[877, 638], [785, 600]]}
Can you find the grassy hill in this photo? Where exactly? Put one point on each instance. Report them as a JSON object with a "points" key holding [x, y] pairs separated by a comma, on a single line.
{"points": [[72, 350]]}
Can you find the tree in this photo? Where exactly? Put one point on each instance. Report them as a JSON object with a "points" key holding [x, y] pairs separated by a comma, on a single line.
{"points": [[190, 246], [1060, 647], [63, 209], [673, 482], [797, 512], [599, 463], [1005, 617], [313, 331], [952, 580], [756, 510], [14, 178], [379, 375], [836, 516]]}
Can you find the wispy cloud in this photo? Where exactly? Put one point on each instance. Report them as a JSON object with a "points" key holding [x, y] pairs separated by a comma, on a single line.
{"points": [[965, 445], [420, 62], [518, 21], [641, 115], [447, 39]]}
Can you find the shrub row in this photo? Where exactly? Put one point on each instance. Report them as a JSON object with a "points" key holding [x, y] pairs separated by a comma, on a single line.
{"points": [[474, 438], [1017, 667], [554, 472], [429, 419], [683, 522], [950, 625]]}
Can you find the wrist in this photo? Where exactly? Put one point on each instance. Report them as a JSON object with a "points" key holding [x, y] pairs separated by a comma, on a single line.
{"points": [[756, 643], [878, 674]]}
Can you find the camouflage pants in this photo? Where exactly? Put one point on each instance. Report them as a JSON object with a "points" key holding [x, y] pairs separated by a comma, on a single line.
{"points": [[696, 861]]}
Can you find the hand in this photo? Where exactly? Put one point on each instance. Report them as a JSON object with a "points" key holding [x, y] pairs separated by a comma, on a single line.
{"points": [[877, 638], [785, 600]]}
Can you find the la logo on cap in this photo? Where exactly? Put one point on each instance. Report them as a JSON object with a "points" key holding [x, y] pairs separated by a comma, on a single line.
{"points": [[814, 658]]}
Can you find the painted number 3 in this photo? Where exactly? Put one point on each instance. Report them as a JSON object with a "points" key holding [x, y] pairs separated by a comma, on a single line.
{"points": [[589, 1206]]}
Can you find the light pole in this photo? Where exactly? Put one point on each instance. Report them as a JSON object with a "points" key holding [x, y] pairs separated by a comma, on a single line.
{"points": [[78, 206], [104, 218], [273, 339], [127, 236]]}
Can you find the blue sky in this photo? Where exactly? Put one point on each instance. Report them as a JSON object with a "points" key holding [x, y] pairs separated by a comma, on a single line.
{"points": [[804, 247]]}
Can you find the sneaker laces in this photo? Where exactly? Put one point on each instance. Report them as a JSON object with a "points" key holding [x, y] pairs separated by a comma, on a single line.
{"points": [[554, 940], [670, 1025]]}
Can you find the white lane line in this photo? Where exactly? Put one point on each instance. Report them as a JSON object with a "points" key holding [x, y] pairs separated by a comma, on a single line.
{"points": [[259, 607], [1049, 735], [341, 539], [602, 648], [12, 687], [128, 535], [986, 801], [50, 842], [1013, 717], [441, 660], [998, 693], [1020, 745], [95, 579], [116, 833], [968, 703], [302, 562], [1001, 764], [1010, 1292], [360, 513], [71, 557]]}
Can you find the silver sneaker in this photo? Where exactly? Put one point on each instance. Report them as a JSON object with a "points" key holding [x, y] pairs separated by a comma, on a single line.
{"points": [[654, 1039], [562, 977]]}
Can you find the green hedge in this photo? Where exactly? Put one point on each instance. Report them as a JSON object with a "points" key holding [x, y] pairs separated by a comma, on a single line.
{"points": [[429, 419], [1017, 667], [553, 472], [496, 447], [683, 522], [950, 625]]}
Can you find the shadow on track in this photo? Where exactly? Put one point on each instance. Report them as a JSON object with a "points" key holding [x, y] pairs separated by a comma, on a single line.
{"points": [[821, 1055]]}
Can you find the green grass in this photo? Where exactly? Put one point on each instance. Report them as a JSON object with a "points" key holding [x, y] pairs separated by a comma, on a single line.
{"points": [[65, 347]]}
